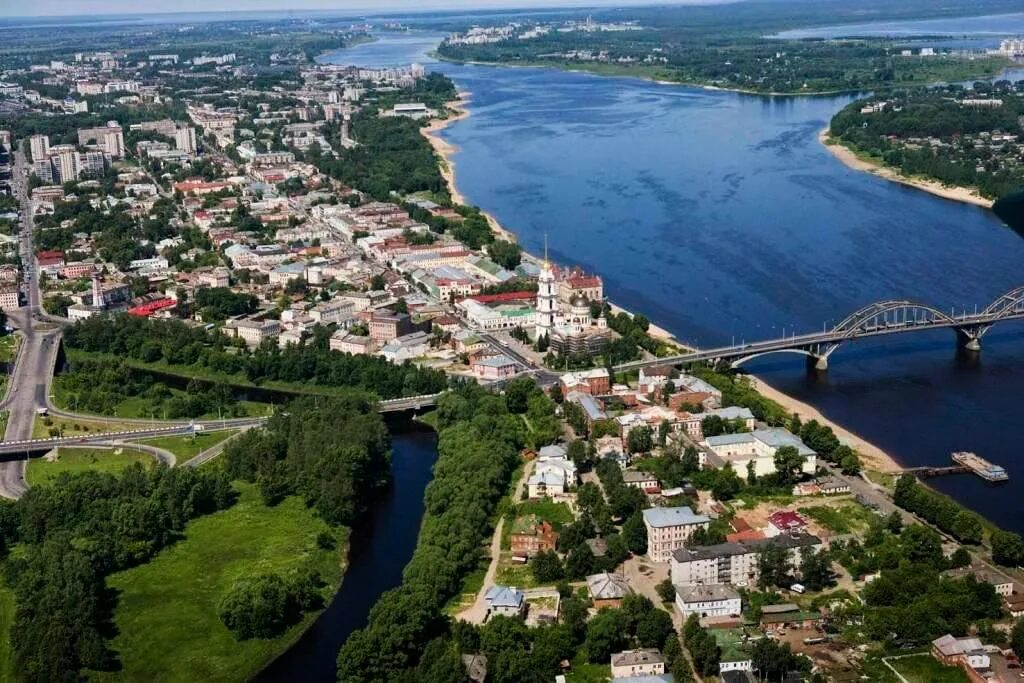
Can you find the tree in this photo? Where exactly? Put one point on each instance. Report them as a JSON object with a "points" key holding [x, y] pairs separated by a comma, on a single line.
{"points": [[960, 558], [546, 567], [639, 440], [265, 605], [773, 566], [788, 463], [816, 569], [634, 532], [580, 562], [377, 283], [508, 255], [773, 660], [666, 591], [1007, 548], [690, 460], [1017, 638], [654, 628], [606, 633]]}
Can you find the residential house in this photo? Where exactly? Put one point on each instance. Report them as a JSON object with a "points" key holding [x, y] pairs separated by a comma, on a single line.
{"points": [[553, 473], [592, 408], [668, 530], [645, 662], [607, 589], [784, 522], [967, 653], [254, 330], [712, 600], [406, 347], [506, 601], [788, 615], [386, 325], [530, 537], [645, 481], [351, 343]]}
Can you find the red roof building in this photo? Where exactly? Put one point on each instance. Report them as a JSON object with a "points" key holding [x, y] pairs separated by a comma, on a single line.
{"points": [[505, 298], [148, 309], [785, 522]]}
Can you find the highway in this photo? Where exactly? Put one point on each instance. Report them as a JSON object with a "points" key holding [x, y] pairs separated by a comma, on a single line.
{"points": [[29, 383]]}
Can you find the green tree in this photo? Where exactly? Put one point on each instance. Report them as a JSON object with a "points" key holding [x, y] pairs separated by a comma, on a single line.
{"points": [[606, 633], [666, 591], [773, 566], [546, 567], [634, 532], [788, 463]]}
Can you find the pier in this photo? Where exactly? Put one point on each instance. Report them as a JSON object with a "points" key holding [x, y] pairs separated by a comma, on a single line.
{"points": [[966, 463]]}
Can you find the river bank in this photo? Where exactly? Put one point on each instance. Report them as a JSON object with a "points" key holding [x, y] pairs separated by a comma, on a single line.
{"points": [[852, 160], [873, 457]]}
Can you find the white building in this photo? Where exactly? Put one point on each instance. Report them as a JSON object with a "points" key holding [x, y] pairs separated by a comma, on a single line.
{"points": [[630, 663], [553, 473], [715, 600], [505, 600], [668, 530], [758, 447], [254, 331], [185, 139], [39, 145]]}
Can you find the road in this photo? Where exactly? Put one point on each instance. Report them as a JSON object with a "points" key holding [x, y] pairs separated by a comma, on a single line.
{"points": [[477, 612], [29, 383]]}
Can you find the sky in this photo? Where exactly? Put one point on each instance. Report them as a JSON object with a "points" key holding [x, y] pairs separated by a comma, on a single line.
{"points": [[23, 8]]}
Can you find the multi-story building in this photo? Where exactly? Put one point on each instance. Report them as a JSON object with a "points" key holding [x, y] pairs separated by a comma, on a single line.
{"points": [[39, 145], [9, 299], [253, 331], [668, 529], [732, 563], [712, 600], [185, 139], [387, 325], [757, 449]]}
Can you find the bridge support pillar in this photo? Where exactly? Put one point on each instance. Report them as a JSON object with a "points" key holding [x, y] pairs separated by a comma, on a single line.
{"points": [[818, 363], [969, 340]]}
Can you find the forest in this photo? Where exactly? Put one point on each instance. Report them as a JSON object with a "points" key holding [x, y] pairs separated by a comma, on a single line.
{"points": [[931, 133], [203, 353], [70, 536]]}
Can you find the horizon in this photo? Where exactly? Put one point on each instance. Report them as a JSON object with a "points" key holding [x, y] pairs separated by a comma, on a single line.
{"points": [[50, 9]]}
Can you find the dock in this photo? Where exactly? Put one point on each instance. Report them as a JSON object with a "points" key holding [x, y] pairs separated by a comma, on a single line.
{"points": [[966, 463], [981, 467]]}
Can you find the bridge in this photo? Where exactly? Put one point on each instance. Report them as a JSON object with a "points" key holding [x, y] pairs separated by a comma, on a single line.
{"points": [[396, 405], [877, 320]]}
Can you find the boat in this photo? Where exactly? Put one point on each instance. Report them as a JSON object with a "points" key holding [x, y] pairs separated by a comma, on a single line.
{"points": [[981, 467]]}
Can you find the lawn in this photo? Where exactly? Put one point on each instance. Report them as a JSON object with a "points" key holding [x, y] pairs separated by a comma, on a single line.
{"points": [[558, 514], [512, 574], [841, 519], [6, 620], [924, 668], [166, 614], [471, 586], [185, 447], [585, 672], [8, 347], [72, 460]]}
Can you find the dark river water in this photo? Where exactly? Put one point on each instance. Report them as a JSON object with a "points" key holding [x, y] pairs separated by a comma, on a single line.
{"points": [[381, 546], [721, 217]]}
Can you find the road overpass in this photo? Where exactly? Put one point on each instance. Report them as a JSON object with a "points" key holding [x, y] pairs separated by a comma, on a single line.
{"points": [[881, 319]]}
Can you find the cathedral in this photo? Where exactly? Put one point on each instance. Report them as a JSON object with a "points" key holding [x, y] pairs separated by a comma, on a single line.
{"points": [[563, 311]]}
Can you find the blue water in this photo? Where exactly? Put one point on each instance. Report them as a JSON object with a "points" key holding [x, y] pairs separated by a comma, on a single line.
{"points": [[721, 217], [970, 32]]}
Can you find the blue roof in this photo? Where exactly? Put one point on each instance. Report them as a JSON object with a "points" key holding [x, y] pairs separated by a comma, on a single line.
{"points": [[503, 596], [662, 517], [663, 678]]}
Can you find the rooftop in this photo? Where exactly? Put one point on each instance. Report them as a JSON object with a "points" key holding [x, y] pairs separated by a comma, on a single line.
{"points": [[666, 517]]}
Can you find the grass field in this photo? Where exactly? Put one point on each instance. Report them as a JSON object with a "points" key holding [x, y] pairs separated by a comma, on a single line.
{"points": [[6, 620], [166, 615], [185, 447], [924, 668], [8, 347], [72, 460], [585, 672], [841, 519]]}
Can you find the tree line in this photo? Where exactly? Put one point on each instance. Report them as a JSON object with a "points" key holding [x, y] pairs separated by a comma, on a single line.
{"points": [[209, 352]]}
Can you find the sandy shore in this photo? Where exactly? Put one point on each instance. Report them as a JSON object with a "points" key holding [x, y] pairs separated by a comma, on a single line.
{"points": [[957, 194], [872, 457], [447, 150]]}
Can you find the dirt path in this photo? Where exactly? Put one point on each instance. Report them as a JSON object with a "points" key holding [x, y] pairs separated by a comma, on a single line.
{"points": [[476, 613]]}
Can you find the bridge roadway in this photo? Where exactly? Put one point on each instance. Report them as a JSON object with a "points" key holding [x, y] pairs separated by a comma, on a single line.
{"points": [[877, 320]]}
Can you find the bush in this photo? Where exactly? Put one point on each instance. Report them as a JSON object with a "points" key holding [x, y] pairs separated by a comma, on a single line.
{"points": [[265, 605]]}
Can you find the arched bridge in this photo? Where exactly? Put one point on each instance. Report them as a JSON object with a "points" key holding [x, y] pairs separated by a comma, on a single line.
{"points": [[879, 319]]}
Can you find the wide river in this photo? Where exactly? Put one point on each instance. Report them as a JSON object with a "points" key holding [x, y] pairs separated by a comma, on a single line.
{"points": [[721, 217]]}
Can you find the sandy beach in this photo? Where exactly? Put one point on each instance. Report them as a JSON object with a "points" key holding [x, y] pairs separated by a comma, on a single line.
{"points": [[872, 457], [957, 194], [446, 150]]}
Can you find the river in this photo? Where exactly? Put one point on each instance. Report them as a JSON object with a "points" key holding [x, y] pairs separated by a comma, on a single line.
{"points": [[721, 217], [380, 547]]}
